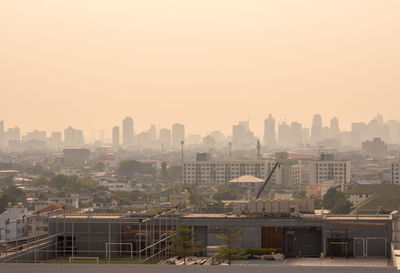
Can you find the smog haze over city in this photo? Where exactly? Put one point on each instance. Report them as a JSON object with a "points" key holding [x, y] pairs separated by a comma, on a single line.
{"points": [[206, 64], [161, 134]]}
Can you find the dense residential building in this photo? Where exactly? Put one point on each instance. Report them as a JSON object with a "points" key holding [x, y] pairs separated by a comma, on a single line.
{"points": [[76, 155], [327, 169], [376, 148], [115, 136], [395, 172], [178, 133], [127, 131], [210, 171], [203, 172]]}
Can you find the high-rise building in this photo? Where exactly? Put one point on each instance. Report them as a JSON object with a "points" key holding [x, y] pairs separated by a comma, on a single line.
{"points": [[284, 134], [115, 136], [242, 136], [306, 136], [316, 130], [165, 137], [73, 138], [13, 134], [178, 134], [357, 133], [101, 136], [334, 127], [2, 135], [55, 140], [35, 135], [269, 130], [295, 133], [127, 131], [152, 133]]}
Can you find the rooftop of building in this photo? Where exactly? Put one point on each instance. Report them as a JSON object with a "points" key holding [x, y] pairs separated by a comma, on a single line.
{"points": [[384, 197], [246, 179]]}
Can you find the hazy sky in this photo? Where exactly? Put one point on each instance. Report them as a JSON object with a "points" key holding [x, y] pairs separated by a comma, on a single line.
{"points": [[204, 63]]}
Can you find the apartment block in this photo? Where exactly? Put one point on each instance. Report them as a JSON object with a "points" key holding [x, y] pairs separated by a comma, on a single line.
{"points": [[330, 170], [395, 172]]}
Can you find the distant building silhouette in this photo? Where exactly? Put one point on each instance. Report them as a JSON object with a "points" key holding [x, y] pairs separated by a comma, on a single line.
{"points": [[178, 134], [73, 137], [316, 130], [127, 131], [269, 131], [115, 136], [165, 137]]}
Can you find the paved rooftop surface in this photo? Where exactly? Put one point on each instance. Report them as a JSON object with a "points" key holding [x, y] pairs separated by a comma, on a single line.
{"points": [[64, 268]]}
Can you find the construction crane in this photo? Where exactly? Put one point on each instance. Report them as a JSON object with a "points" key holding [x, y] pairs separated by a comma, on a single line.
{"points": [[277, 164]]}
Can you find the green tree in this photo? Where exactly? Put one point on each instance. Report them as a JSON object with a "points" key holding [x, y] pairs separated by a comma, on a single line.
{"points": [[199, 201], [164, 175], [336, 201], [175, 172], [225, 193], [300, 194], [11, 195], [131, 167], [229, 237], [183, 243], [99, 166]]}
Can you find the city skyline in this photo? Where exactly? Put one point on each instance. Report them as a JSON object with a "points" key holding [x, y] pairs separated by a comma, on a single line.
{"points": [[258, 129], [206, 64]]}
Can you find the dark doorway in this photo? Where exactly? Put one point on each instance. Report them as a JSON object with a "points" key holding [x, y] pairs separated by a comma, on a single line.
{"points": [[271, 237], [290, 242]]}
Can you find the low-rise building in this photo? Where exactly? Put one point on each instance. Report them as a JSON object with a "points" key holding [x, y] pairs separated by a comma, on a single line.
{"points": [[13, 222], [179, 198], [247, 183]]}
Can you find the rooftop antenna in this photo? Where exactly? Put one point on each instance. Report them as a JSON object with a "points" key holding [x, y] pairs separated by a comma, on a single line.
{"points": [[258, 149]]}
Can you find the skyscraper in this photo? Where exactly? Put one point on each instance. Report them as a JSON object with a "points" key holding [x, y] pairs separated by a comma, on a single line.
{"points": [[165, 137], [295, 133], [335, 131], [152, 133], [73, 138], [178, 134], [115, 136], [316, 130], [127, 131], [284, 134], [269, 130]]}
